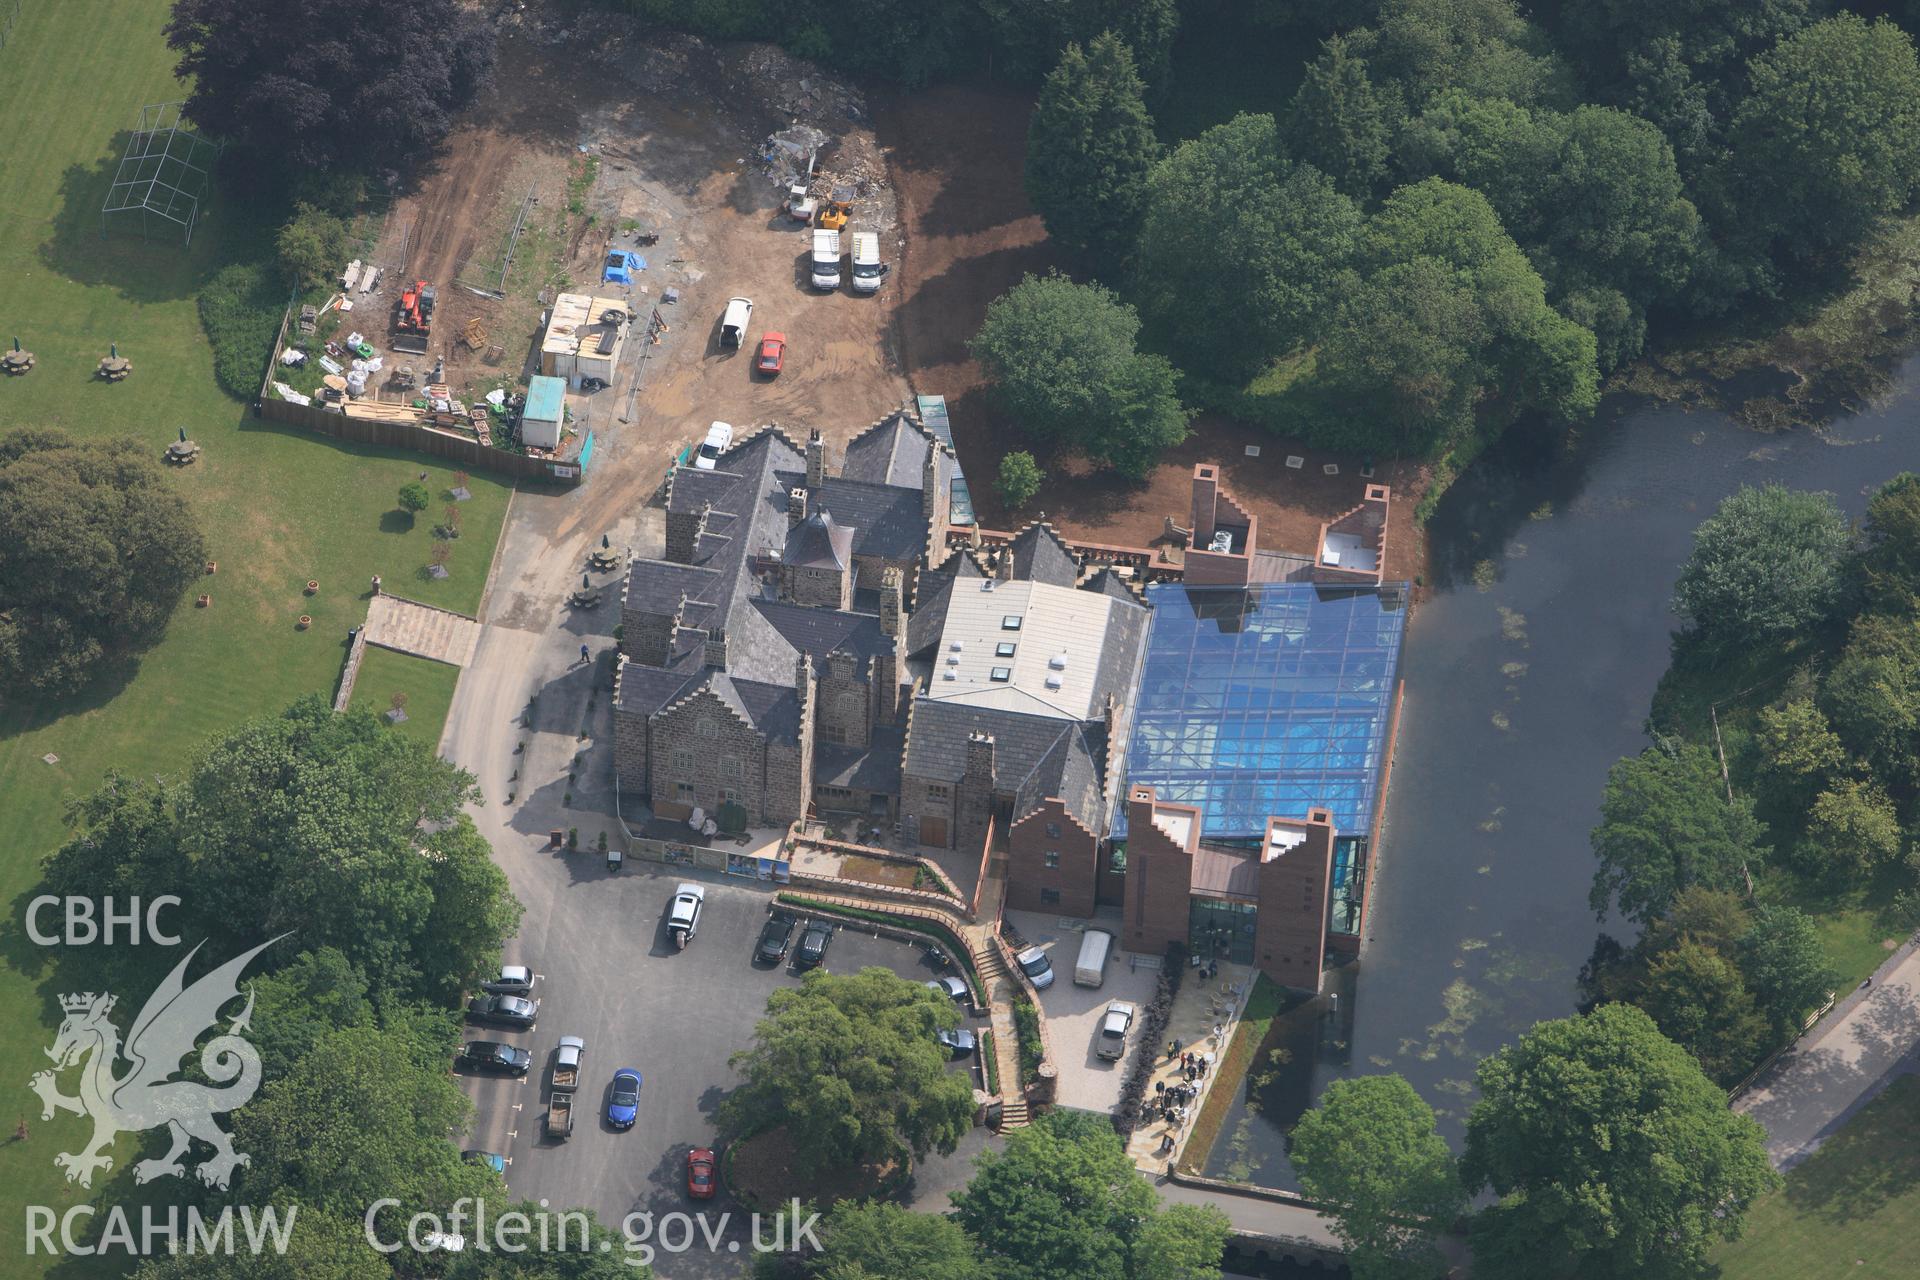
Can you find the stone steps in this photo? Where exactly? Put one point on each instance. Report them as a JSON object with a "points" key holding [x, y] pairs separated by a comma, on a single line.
{"points": [[421, 629]]}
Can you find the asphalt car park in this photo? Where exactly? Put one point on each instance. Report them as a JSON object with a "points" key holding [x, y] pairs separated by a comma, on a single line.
{"points": [[609, 972]]}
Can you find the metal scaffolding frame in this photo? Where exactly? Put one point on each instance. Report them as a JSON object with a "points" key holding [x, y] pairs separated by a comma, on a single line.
{"points": [[163, 172]]}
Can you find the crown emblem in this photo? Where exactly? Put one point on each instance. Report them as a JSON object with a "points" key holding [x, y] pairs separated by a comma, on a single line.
{"points": [[83, 1002]]}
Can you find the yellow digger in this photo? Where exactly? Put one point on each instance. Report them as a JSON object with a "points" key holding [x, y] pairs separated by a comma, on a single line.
{"points": [[838, 210]]}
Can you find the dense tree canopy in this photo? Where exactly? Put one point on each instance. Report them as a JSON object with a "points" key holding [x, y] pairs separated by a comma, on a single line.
{"points": [[1665, 824], [1340, 123], [1447, 309], [1421, 47], [1063, 363], [95, 550], [1063, 1199], [848, 1062], [875, 1240], [358, 1119], [1889, 560], [1699, 1000], [1828, 140], [331, 824], [331, 84], [1090, 147], [1766, 563], [1799, 754], [1370, 1156], [1785, 967], [1611, 1153], [1240, 250]]}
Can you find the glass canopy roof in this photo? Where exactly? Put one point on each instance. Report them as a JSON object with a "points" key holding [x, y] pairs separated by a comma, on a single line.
{"points": [[1263, 701]]}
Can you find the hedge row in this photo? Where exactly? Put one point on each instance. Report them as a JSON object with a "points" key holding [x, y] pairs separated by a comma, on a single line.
{"points": [[240, 309]]}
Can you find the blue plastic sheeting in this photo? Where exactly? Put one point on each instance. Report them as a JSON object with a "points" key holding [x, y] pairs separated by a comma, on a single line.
{"points": [[620, 267], [1265, 701]]}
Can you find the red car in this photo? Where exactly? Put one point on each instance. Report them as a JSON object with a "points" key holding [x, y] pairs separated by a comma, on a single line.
{"points": [[773, 354], [700, 1173]]}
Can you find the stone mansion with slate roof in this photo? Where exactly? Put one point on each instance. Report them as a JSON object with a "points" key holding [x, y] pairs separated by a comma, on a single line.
{"points": [[817, 640]]}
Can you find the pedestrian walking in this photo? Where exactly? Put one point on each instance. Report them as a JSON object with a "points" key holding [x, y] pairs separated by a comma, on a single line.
{"points": [[1173, 1047], [1160, 1087], [584, 656], [1217, 1029], [1176, 1046]]}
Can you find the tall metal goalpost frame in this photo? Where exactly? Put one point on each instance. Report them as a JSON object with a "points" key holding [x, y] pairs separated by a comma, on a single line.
{"points": [[163, 173]]}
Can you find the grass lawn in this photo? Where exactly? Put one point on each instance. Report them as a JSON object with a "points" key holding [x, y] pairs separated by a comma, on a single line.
{"points": [[427, 684], [1852, 1209], [278, 507]]}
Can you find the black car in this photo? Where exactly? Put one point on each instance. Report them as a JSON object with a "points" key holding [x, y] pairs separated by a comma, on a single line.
{"points": [[813, 945], [517, 1012], [494, 1058], [775, 937]]}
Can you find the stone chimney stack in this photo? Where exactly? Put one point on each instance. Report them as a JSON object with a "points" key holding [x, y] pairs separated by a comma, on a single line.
{"points": [[716, 647], [816, 459], [980, 758], [930, 486], [892, 616], [1003, 568], [796, 508]]}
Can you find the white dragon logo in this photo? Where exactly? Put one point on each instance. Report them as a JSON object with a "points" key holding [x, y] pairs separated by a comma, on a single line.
{"points": [[147, 1096]]}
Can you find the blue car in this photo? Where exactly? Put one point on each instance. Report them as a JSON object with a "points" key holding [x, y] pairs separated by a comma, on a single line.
{"points": [[623, 1103]]}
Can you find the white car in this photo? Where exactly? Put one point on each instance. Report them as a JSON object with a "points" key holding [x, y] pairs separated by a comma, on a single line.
{"points": [[719, 440], [733, 323], [1112, 1044], [683, 917], [1039, 970]]}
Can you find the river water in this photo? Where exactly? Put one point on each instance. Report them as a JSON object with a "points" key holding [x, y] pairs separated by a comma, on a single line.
{"points": [[1529, 669]]}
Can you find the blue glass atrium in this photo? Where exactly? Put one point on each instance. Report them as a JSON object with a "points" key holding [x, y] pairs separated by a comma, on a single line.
{"points": [[1265, 700]]}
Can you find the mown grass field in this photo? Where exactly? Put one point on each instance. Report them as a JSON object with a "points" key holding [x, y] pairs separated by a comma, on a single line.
{"points": [[427, 684], [277, 507], [1852, 1209]]}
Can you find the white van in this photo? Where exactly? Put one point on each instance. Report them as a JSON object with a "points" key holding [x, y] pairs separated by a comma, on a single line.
{"points": [[868, 270], [733, 323], [1090, 970], [826, 258]]}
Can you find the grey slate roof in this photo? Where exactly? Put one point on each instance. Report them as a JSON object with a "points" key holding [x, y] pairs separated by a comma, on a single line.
{"points": [[886, 520], [1033, 756], [893, 451], [822, 631], [749, 517], [872, 768], [1109, 583], [644, 690], [1041, 555], [773, 709], [819, 543]]}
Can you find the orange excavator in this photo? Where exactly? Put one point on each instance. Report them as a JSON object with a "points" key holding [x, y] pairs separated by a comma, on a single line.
{"points": [[413, 318]]}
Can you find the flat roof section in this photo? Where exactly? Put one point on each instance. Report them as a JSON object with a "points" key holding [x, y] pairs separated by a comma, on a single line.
{"points": [[1023, 646], [546, 399], [1265, 701]]}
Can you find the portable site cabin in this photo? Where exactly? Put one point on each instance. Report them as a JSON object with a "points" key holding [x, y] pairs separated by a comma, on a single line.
{"points": [[584, 338], [545, 410]]}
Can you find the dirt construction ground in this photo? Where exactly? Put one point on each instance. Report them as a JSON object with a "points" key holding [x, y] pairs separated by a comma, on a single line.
{"points": [[676, 151]]}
